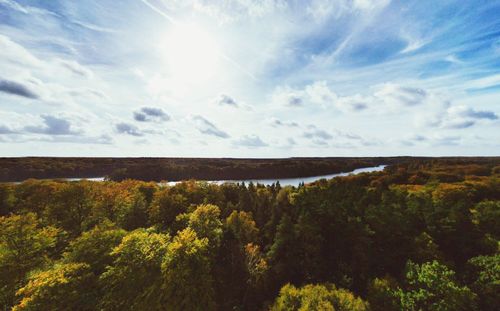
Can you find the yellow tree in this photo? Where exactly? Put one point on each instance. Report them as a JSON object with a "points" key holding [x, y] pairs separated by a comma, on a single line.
{"points": [[24, 245], [186, 270], [133, 281], [69, 286]]}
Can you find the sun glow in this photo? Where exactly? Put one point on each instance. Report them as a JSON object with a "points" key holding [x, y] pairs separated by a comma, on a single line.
{"points": [[191, 54]]}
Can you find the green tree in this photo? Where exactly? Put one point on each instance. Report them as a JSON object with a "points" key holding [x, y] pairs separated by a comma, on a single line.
{"points": [[165, 207], [317, 297], [486, 215], [484, 276], [63, 287], [283, 255], [6, 199], [256, 271], [24, 245], [382, 295], [133, 213], [205, 221], [231, 272], [134, 281], [188, 284], [425, 249], [432, 287], [94, 247], [34, 196], [71, 207], [243, 227]]}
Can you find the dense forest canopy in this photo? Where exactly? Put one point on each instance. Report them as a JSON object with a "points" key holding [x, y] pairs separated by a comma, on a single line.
{"points": [[421, 235], [175, 169]]}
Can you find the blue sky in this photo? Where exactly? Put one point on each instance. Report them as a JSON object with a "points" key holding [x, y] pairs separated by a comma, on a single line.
{"points": [[241, 78]]}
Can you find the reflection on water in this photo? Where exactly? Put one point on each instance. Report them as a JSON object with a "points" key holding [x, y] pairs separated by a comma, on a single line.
{"points": [[89, 179]]}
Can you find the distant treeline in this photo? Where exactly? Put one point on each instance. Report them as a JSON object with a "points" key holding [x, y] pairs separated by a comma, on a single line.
{"points": [[421, 235], [175, 169]]}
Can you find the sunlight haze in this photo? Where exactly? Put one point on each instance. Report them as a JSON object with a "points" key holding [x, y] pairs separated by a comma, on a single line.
{"points": [[265, 78]]}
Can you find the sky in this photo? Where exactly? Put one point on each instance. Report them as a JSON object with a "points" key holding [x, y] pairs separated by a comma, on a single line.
{"points": [[242, 78]]}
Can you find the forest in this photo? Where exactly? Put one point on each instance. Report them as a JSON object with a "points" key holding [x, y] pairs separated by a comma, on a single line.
{"points": [[175, 169], [421, 235]]}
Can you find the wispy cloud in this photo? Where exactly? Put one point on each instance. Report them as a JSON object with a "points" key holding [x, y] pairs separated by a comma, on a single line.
{"points": [[76, 68], [148, 114], [355, 102], [129, 129], [94, 27], [320, 77], [314, 132], [25, 9], [52, 126], [484, 82], [401, 95], [460, 117], [16, 88], [279, 123], [317, 93], [5, 130], [208, 128], [252, 141], [14, 53], [225, 100]]}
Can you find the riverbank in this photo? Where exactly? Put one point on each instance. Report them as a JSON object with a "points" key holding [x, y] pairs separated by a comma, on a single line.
{"points": [[177, 169]]}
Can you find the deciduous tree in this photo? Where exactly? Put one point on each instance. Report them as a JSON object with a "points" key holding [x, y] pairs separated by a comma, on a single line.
{"points": [[24, 245], [134, 280]]}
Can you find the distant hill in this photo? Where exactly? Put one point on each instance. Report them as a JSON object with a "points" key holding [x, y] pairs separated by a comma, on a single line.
{"points": [[175, 169]]}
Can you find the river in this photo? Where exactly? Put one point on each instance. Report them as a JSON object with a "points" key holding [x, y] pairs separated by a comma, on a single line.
{"points": [[295, 181], [283, 181]]}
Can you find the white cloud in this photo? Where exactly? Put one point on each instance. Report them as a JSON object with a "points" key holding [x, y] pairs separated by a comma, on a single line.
{"points": [[93, 27], [460, 117], [17, 88], [127, 128], [355, 102], [148, 114], [75, 68], [317, 93], [274, 122], [252, 141], [13, 53], [287, 96], [337, 64], [453, 59], [206, 127], [313, 132], [444, 115], [53, 125], [401, 95], [321, 9], [485, 82], [415, 41], [226, 100], [235, 10], [370, 4], [24, 9], [413, 45], [52, 80]]}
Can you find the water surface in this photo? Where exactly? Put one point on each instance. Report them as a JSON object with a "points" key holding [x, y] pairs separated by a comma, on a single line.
{"points": [[283, 181], [294, 181]]}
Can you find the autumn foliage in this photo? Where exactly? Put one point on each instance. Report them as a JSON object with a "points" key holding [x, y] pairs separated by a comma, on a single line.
{"points": [[421, 235]]}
